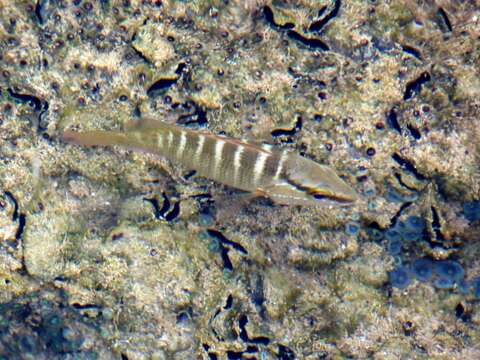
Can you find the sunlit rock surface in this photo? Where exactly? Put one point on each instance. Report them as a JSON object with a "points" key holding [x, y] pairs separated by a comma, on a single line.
{"points": [[109, 254]]}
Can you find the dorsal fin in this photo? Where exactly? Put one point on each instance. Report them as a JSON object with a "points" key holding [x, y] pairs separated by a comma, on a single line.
{"points": [[248, 144], [146, 123]]}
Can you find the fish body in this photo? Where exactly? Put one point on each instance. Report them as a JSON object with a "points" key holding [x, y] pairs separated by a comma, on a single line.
{"points": [[284, 177]]}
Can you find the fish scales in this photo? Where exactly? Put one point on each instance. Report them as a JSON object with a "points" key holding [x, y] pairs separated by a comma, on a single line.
{"points": [[284, 177], [214, 157]]}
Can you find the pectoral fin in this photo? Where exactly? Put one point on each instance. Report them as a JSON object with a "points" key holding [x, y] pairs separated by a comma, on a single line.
{"points": [[283, 193]]}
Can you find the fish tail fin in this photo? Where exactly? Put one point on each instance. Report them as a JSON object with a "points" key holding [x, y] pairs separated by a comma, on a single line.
{"points": [[95, 138]]}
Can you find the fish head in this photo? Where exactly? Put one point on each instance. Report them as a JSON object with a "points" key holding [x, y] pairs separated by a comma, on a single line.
{"points": [[305, 182]]}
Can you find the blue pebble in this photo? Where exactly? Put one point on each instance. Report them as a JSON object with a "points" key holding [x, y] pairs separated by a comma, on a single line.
{"points": [[397, 260], [449, 269], [203, 235], [370, 192], [410, 198], [352, 228], [400, 227], [355, 216], [464, 286], [475, 286], [423, 269], [374, 234], [205, 219], [393, 234], [444, 282], [400, 277], [471, 210], [412, 236], [214, 245], [415, 224], [393, 196], [394, 246]]}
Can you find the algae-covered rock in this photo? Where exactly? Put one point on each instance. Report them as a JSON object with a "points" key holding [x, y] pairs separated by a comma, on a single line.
{"points": [[152, 42], [110, 253]]}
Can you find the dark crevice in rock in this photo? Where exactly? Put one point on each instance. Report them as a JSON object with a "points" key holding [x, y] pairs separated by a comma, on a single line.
{"points": [[412, 51], [415, 86], [219, 236], [436, 226], [285, 353], [320, 24], [227, 263], [21, 226], [399, 213], [172, 215], [211, 356], [313, 43], [288, 132], [414, 132], [31, 100], [198, 117], [268, 13], [166, 212], [159, 86], [443, 14], [392, 120], [15, 205], [180, 68], [407, 165], [242, 322], [402, 183], [228, 303]]}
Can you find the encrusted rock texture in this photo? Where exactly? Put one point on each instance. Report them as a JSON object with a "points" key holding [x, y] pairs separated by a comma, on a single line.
{"points": [[111, 254]]}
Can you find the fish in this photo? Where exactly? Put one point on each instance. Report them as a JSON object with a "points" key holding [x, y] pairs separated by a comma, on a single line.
{"points": [[280, 175]]}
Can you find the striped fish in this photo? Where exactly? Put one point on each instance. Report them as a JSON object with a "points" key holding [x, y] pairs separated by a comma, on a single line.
{"points": [[284, 177]]}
